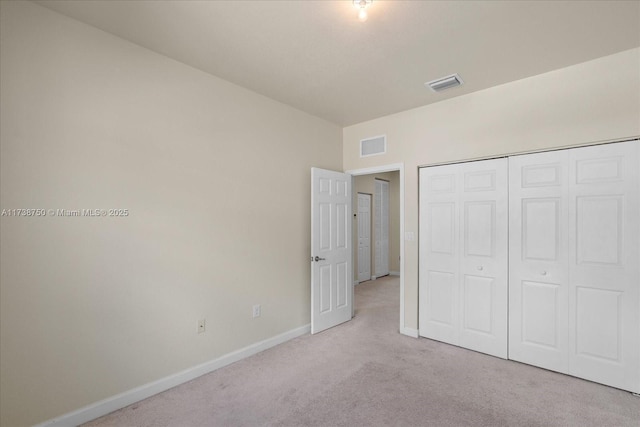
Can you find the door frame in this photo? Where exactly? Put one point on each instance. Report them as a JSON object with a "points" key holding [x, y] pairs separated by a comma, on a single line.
{"points": [[393, 168]]}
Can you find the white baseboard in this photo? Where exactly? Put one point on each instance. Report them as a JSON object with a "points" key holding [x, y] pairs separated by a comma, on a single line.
{"points": [[410, 332], [119, 401]]}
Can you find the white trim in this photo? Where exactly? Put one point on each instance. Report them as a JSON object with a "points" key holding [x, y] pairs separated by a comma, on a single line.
{"points": [[410, 332], [391, 168], [534, 151], [119, 401], [394, 273], [378, 169]]}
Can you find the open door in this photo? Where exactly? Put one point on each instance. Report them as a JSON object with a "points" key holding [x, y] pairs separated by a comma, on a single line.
{"points": [[331, 264]]}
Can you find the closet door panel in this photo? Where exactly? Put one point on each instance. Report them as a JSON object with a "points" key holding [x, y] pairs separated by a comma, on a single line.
{"points": [[604, 301], [463, 255], [483, 258], [439, 249], [538, 259]]}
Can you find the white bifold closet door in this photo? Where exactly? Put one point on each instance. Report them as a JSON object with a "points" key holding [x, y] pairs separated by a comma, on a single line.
{"points": [[539, 259], [574, 285], [604, 263], [463, 255], [381, 203]]}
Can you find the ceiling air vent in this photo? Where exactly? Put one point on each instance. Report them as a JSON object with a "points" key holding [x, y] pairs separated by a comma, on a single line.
{"points": [[373, 146], [439, 85]]}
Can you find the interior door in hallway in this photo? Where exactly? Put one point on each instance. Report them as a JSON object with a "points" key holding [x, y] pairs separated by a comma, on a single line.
{"points": [[331, 257], [381, 218], [463, 255], [364, 237]]}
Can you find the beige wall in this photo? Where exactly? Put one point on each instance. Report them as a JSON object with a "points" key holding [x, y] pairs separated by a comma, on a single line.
{"points": [[216, 179], [594, 101], [366, 184]]}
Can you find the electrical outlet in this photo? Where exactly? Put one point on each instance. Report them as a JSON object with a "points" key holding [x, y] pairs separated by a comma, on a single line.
{"points": [[256, 310], [202, 324]]}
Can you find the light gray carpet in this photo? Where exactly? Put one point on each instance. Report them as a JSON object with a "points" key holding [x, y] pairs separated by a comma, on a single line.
{"points": [[364, 373]]}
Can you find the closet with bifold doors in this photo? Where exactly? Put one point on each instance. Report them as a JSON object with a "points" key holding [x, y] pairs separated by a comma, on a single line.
{"points": [[463, 255], [570, 298]]}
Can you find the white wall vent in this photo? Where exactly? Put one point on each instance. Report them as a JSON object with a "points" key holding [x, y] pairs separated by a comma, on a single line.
{"points": [[373, 146], [444, 83]]}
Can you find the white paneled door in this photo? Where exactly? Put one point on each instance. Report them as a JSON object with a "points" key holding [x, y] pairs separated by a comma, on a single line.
{"points": [[463, 255], [364, 237], [381, 227], [573, 259], [604, 260], [538, 260], [331, 266], [574, 288]]}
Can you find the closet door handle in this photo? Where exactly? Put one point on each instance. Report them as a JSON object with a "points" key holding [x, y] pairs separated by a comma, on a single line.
{"points": [[544, 273], [480, 268]]}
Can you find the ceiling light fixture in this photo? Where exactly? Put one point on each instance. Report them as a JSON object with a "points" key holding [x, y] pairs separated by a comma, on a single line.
{"points": [[362, 8]]}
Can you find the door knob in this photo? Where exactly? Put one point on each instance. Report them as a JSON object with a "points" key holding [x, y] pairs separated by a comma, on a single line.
{"points": [[480, 268], [544, 273], [317, 258]]}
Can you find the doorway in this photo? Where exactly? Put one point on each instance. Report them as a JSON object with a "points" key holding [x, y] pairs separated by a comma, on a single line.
{"points": [[399, 239], [379, 224]]}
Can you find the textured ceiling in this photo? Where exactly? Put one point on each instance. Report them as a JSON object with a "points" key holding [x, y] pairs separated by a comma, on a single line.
{"points": [[317, 56]]}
